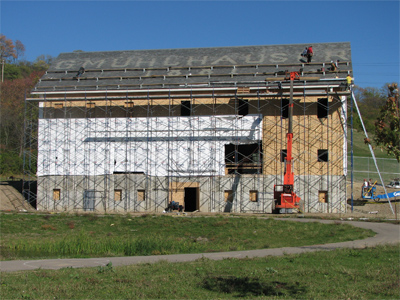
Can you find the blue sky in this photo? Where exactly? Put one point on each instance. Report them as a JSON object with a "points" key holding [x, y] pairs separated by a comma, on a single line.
{"points": [[54, 27]]}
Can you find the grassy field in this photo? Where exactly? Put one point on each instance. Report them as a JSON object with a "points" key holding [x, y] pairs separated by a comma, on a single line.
{"points": [[364, 166], [362, 149], [370, 273], [37, 236]]}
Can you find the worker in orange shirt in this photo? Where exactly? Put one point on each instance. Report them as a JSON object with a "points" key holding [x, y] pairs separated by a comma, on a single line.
{"points": [[310, 54]]}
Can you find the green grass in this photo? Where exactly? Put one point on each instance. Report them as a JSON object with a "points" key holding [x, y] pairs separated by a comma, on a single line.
{"points": [[36, 236], [370, 273], [364, 166], [362, 149]]}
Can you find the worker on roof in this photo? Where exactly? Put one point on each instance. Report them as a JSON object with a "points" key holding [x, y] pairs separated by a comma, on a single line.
{"points": [[310, 54], [304, 54], [349, 81], [333, 66]]}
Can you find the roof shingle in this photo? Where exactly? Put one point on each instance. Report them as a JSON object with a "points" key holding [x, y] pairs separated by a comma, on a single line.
{"points": [[166, 68]]}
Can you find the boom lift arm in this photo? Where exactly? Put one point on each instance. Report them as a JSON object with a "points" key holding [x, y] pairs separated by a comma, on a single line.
{"points": [[284, 195]]}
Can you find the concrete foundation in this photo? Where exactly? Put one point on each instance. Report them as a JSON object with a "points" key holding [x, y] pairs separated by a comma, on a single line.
{"points": [[139, 193]]}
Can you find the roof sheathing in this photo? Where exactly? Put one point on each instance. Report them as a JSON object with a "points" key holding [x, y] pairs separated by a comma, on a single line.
{"points": [[194, 67]]}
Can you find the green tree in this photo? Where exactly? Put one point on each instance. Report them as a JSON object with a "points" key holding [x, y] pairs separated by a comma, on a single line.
{"points": [[12, 72], [369, 101], [12, 95], [10, 163], [19, 79], [387, 126], [42, 62]]}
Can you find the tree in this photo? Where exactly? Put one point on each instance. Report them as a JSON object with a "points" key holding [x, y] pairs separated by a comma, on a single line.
{"points": [[19, 78], [12, 95], [19, 48], [387, 126], [12, 72], [7, 48], [369, 101], [42, 62], [9, 52]]}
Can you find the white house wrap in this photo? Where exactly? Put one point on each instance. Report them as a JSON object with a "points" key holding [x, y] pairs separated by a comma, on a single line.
{"points": [[158, 146]]}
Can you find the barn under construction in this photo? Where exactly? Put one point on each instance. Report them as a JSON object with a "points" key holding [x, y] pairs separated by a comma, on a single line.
{"points": [[131, 131]]}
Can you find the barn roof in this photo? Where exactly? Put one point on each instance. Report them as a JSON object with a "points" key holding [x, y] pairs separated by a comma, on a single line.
{"points": [[195, 67]]}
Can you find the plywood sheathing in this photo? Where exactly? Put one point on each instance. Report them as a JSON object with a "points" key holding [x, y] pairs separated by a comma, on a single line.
{"points": [[310, 134]]}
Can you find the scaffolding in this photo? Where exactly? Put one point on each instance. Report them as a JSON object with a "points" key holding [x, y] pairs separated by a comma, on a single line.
{"points": [[211, 146], [142, 163]]}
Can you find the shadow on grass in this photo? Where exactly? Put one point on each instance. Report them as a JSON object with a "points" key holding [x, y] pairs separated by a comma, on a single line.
{"points": [[247, 286]]}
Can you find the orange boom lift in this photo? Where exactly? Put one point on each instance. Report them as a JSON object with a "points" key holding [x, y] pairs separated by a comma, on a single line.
{"points": [[285, 198]]}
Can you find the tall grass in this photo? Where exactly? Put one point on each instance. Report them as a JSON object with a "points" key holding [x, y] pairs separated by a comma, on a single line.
{"points": [[83, 245]]}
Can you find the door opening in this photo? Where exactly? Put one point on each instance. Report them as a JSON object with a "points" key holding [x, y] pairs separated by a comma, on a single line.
{"points": [[191, 199], [89, 200]]}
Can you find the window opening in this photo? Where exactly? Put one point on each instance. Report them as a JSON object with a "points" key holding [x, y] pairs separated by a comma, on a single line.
{"points": [[141, 195], [244, 159], [243, 107], [254, 196], [228, 195], [285, 108], [323, 196], [323, 155], [283, 155], [117, 195], [322, 108], [56, 194], [186, 108]]}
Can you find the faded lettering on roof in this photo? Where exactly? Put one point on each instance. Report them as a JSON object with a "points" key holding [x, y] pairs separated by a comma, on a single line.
{"points": [[120, 63], [223, 59], [141, 63], [66, 64], [89, 64], [255, 59], [279, 57], [200, 58], [171, 60], [329, 54]]}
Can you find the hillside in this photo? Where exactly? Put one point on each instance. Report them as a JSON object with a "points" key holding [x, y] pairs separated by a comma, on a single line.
{"points": [[362, 149]]}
